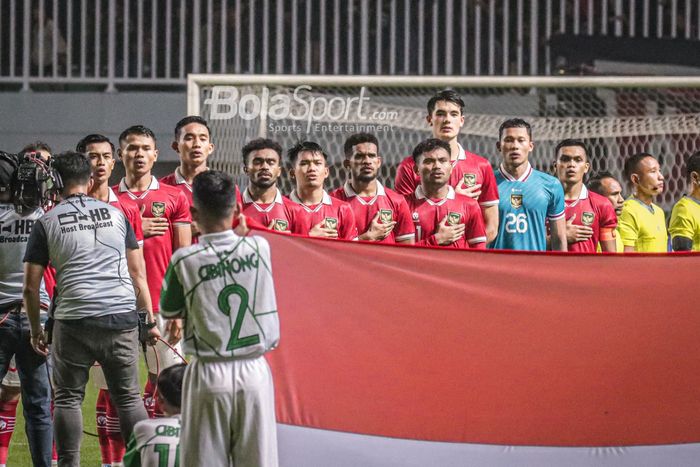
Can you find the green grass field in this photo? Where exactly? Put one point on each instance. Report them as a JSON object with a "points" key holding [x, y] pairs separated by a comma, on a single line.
{"points": [[89, 449]]}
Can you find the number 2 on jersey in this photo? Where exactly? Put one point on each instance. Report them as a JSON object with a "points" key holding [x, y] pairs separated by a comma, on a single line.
{"points": [[235, 341]]}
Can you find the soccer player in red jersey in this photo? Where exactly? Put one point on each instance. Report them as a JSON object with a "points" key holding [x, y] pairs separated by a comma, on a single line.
{"points": [[100, 152], [381, 214], [166, 221], [193, 144], [590, 217], [262, 200], [322, 216], [471, 175], [442, 216]]}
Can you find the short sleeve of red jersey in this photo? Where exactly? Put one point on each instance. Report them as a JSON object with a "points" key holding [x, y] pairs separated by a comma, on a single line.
{"points": [[474, 231], [181, 212], [348, 228], [489, 188], [406, 179], [404, 229], [606, 214], [131, 212]]}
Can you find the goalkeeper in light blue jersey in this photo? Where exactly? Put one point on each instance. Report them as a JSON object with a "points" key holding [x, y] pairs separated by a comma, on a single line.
{"points": [[529, 199]]}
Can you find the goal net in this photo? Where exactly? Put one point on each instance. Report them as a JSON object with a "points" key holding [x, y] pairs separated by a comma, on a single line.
{"points": [[616, 117]]}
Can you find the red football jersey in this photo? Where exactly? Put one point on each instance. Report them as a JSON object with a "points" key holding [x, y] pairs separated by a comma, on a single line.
{"points": [[459, 209], [469, 169], [337, 214], [178, 181], [593, 210], [131, 212], [159, 200], [285, 213], [391, 205]]}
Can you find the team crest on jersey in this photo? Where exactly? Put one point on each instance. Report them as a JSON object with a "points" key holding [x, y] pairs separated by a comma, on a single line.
{"points": [[280, 225], [158, 209], [453, 218], [587, 218], [516, 200], [386, 215], [469, 180], [331, 223], [415, 216]]}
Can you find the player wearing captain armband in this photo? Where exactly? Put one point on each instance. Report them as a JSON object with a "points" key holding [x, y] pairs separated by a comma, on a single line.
{"points": [[642, 223], [605, 184], [223, 288], [322, 216], [590, 218], [471, 174], [685, 217], [262, 200], [381, 214], [156, 442], [165, 217], [441, 216], [528, 198]]}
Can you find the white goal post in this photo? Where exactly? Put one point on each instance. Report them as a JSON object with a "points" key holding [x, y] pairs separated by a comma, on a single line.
{"points": [[615, 116]]}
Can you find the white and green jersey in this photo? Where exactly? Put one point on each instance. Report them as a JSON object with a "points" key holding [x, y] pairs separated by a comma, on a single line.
{"points": [[223, 288], [154, 443]]}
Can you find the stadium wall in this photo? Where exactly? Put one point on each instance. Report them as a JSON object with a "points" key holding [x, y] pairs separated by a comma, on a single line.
{"points": [[61, 119]]}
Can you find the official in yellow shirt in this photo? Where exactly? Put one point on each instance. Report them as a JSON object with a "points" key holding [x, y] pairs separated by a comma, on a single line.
{"points": [[642, 224], [685, 217]]}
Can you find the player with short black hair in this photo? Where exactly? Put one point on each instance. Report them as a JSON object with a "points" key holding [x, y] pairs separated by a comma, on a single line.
{"points": [[228, 415], [156, 442], [262, 200], [684, 226], [381, 214], [642, 224], [322, 215], [92, 246], [528, 198], [590, 218], [94, 138], [605, 184], [193, 145], [165, 217], [441, 216], [472, 174]]}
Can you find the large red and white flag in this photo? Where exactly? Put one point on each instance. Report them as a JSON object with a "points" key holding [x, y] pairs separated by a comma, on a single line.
{"points": [[426, 357]]}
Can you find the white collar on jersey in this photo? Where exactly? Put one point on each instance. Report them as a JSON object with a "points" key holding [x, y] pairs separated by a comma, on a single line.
{"points": [[112, 198], [326, 199], [420, 194], [462, 153], [248, 200], [154, 185], [510, 178], [180, 180], [582, 195], [350, 193]]}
